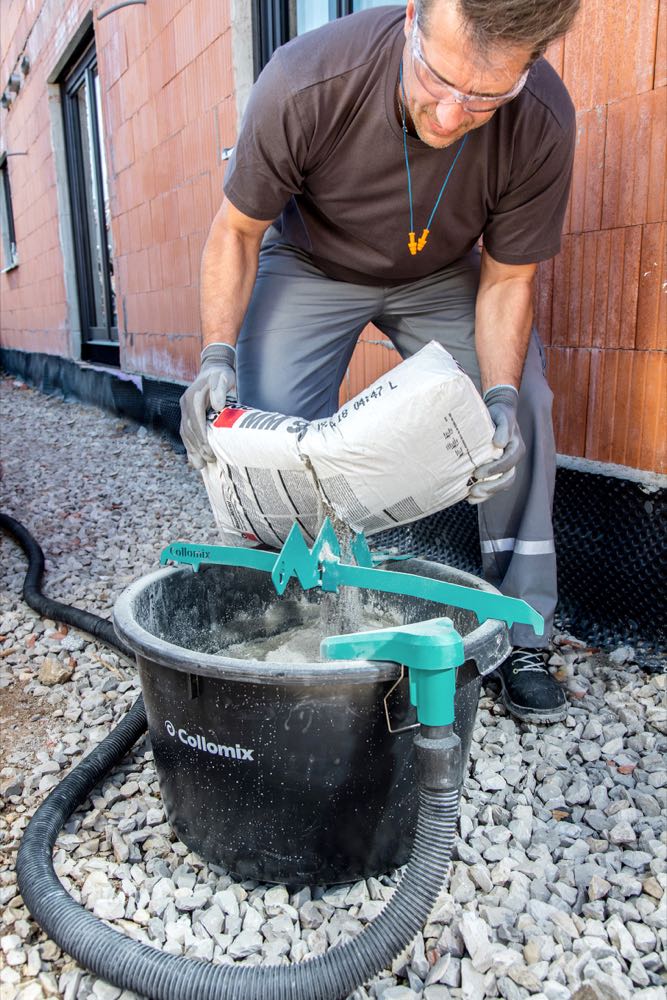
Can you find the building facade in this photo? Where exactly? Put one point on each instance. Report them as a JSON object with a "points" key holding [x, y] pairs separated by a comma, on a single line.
{"points": [[116, 123]]}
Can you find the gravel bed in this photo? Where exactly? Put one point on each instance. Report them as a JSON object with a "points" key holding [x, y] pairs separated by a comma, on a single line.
{"points": [[558, 885]]}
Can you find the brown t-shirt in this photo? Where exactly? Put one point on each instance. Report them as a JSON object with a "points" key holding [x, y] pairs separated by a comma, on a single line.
{"points": [[320, 150]]}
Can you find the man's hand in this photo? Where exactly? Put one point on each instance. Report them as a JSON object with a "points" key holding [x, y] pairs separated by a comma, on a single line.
{"points": [[216, 379], [501, 402], [228, 270]]}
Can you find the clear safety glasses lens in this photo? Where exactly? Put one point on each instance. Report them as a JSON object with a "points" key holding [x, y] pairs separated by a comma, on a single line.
{"points": [[442, 91]]}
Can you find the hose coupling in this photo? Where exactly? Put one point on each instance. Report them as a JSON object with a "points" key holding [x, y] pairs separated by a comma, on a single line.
{"points": [[439, 766]]}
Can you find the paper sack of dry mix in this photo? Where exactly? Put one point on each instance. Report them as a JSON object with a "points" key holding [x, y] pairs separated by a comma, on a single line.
{"points": [[403, 448]]}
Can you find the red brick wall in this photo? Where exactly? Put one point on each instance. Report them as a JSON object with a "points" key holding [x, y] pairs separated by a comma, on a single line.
{"points": [[168, 108], [166, 70], [32, 297], [602, 304]]}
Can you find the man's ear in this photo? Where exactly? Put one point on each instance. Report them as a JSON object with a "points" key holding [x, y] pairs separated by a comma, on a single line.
{"points": [[409, 18]]}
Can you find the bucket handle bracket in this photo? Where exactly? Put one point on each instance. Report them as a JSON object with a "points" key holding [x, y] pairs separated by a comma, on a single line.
{"points": [[385, 701]]}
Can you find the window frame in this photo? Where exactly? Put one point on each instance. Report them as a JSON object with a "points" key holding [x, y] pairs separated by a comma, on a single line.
{"points": [[10, 257], [274, 23], [81, 71]]}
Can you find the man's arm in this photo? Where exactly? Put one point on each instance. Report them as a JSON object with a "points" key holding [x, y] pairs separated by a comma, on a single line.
{"points": [[228, 271], [503, 320]]}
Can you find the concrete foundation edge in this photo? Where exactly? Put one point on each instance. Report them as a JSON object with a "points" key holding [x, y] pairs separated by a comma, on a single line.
{"points": [[148, 401]]}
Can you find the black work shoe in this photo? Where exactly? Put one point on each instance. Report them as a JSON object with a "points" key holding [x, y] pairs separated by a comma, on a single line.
{"points": [[529, 691]]}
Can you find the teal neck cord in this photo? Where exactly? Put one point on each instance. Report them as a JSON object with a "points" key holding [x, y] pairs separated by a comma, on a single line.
{"points": [[416, 245]]}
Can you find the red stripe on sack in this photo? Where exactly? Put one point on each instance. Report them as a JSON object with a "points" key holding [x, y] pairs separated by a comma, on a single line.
{"points": [[228, 416]]}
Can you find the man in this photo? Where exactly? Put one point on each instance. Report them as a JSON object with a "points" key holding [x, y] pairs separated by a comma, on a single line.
{"points": [[373, 154]]}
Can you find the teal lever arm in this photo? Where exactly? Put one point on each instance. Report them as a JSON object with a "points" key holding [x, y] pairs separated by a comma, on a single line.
{"points": [[194, 555], [431, 650], [321, 567], [484, 604]]}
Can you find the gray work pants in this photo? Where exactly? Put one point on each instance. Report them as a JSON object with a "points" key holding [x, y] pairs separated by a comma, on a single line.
{"points": [[295, 346]]}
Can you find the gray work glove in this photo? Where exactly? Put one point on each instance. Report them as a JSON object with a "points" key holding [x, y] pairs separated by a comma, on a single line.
{"points": [[501, 402], [216, 379]]}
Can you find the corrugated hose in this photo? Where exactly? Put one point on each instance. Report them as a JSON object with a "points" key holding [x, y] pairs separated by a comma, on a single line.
{"points": [[151, 973]]}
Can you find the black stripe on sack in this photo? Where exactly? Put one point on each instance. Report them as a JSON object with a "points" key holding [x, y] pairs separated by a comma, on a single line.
{"points": [[291, 502], [296, 512], [262, 512], [309, 535], [254, 529]]}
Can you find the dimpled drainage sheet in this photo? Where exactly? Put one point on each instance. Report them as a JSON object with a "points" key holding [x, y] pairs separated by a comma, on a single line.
{"points": [[611, 546]]}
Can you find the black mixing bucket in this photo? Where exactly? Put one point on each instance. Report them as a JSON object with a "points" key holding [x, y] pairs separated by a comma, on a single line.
{"points": [[285, 772]]}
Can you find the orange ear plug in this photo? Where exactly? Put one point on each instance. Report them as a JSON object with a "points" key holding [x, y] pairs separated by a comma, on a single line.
{"points": [[421, 242], [414, 245]]}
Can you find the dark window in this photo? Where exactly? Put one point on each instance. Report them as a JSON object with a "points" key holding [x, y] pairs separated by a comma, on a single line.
{"points": [[276, 21], [91, 222], [9, 255], [271, 28]]}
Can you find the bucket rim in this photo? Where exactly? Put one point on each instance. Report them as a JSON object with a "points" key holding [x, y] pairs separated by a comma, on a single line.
{"points": [[487, 645]]}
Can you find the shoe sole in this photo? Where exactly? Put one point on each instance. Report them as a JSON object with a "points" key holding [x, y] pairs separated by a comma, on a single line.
{"points": [[538, 715]]}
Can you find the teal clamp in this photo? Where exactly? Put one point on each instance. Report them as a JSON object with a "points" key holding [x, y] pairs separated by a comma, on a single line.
{"points": [[364, 557], [431, 650]]}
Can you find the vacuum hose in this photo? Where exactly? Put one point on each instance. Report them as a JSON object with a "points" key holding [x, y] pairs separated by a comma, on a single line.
{"points": [[151, 973], [33, 596]]}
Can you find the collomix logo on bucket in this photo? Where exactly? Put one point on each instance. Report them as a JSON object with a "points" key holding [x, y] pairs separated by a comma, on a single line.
{"points": [[199, 742]]}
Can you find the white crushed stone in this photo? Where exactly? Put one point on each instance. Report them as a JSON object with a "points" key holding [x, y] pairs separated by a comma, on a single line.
{"points": [[559, 877]]}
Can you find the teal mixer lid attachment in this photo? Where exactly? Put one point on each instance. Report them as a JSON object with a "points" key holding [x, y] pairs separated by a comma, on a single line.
{"points": [[431, 650]]}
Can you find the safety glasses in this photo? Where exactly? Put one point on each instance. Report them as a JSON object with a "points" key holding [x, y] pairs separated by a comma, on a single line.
{"points": [[440, 90]]}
